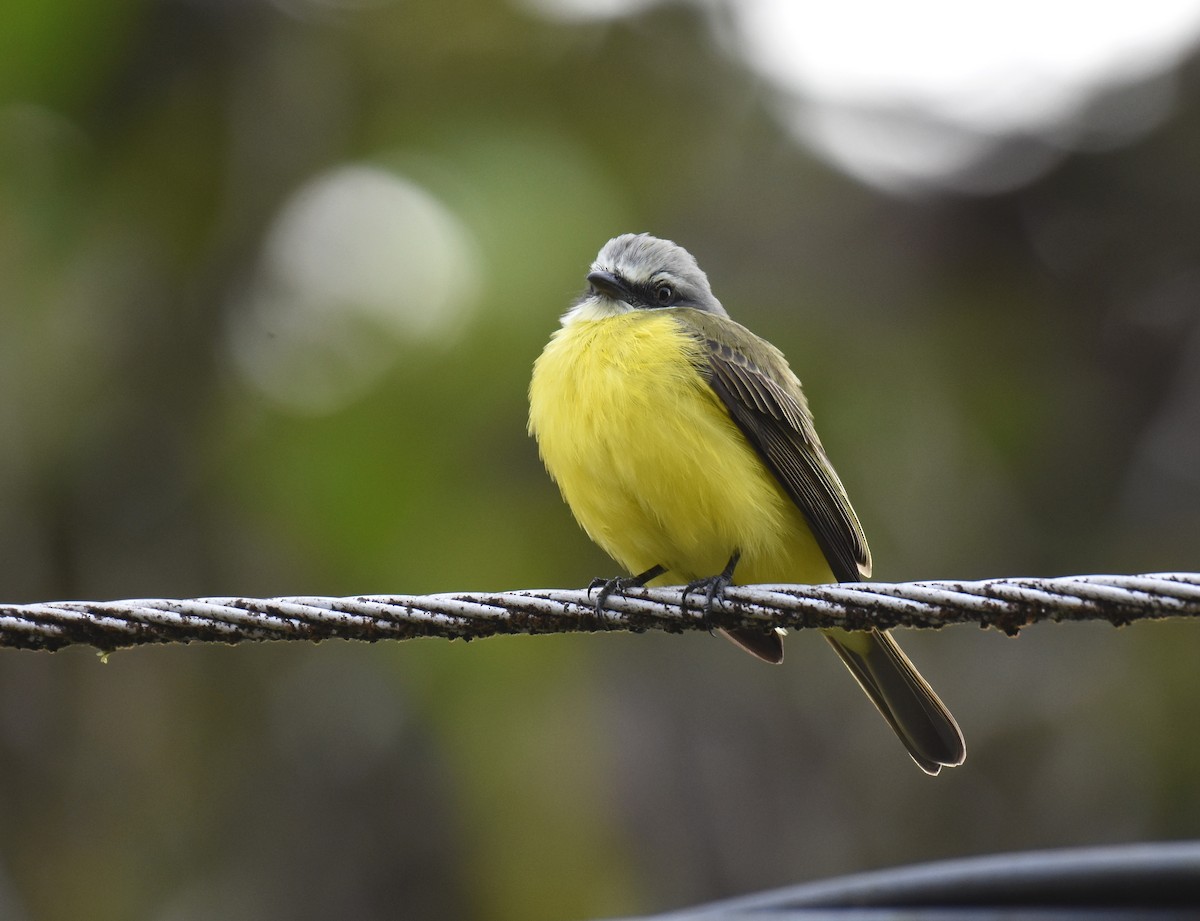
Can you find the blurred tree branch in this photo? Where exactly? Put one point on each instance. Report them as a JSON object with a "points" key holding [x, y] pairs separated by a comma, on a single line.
{"points": [[1004, 604]]}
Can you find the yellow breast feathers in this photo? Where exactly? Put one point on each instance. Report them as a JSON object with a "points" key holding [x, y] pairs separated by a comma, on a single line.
{"points": [[649, 460]]}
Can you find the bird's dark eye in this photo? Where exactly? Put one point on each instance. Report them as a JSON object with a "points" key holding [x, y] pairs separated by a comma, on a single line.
{"points": [[665, 294]]}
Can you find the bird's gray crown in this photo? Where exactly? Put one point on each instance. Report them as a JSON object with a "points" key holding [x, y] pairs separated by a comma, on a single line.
{"points": [[644, 263]]}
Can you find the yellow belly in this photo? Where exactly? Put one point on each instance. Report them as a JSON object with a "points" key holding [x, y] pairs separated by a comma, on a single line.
{"points": [[650, 462]]}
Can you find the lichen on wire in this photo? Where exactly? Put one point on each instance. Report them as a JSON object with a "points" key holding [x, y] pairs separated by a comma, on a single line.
{"points": [[1006, 604]]}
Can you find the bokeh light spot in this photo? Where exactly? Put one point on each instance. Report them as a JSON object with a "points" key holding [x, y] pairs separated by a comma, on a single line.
{"points": [[358, 264]]}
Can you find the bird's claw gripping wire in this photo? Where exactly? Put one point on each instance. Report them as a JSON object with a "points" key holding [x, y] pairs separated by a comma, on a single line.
{"points": [[621, 584], [713, 587]]}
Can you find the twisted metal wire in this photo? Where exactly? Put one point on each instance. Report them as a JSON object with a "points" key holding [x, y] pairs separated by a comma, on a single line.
{"points": [[1005, 604]]}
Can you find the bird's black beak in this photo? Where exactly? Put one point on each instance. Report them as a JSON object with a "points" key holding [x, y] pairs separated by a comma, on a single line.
{"points": [[609, 285]]}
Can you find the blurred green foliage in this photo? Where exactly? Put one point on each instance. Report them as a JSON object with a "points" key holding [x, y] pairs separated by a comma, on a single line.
{"points": [[1007, 386]]}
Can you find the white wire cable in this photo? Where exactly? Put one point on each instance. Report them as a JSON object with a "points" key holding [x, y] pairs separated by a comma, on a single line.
{"points": [[1005, 604]]}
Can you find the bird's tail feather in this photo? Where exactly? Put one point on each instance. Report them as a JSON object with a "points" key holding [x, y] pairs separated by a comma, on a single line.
{"points": [[904, 698], [765, 644]]}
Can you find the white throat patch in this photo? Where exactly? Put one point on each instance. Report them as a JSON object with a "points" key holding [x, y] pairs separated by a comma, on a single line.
{"points": [[595, 307]]}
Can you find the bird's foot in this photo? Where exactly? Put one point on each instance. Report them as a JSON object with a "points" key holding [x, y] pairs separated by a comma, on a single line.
{"points": [[713, 587], [621, 584]]}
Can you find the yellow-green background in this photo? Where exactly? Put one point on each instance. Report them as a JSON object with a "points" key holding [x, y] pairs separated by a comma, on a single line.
{"points": [[1006, 384]]}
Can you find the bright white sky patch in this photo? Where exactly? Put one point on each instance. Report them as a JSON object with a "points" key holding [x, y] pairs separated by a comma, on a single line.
{"points": [[983, 64], [914, 93]]}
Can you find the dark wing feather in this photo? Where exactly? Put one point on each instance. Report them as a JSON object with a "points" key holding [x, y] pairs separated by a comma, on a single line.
{"points": [[767, 404]]}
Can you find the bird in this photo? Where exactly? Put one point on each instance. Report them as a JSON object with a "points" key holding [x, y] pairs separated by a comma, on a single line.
{"points": [[684, 446]]}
